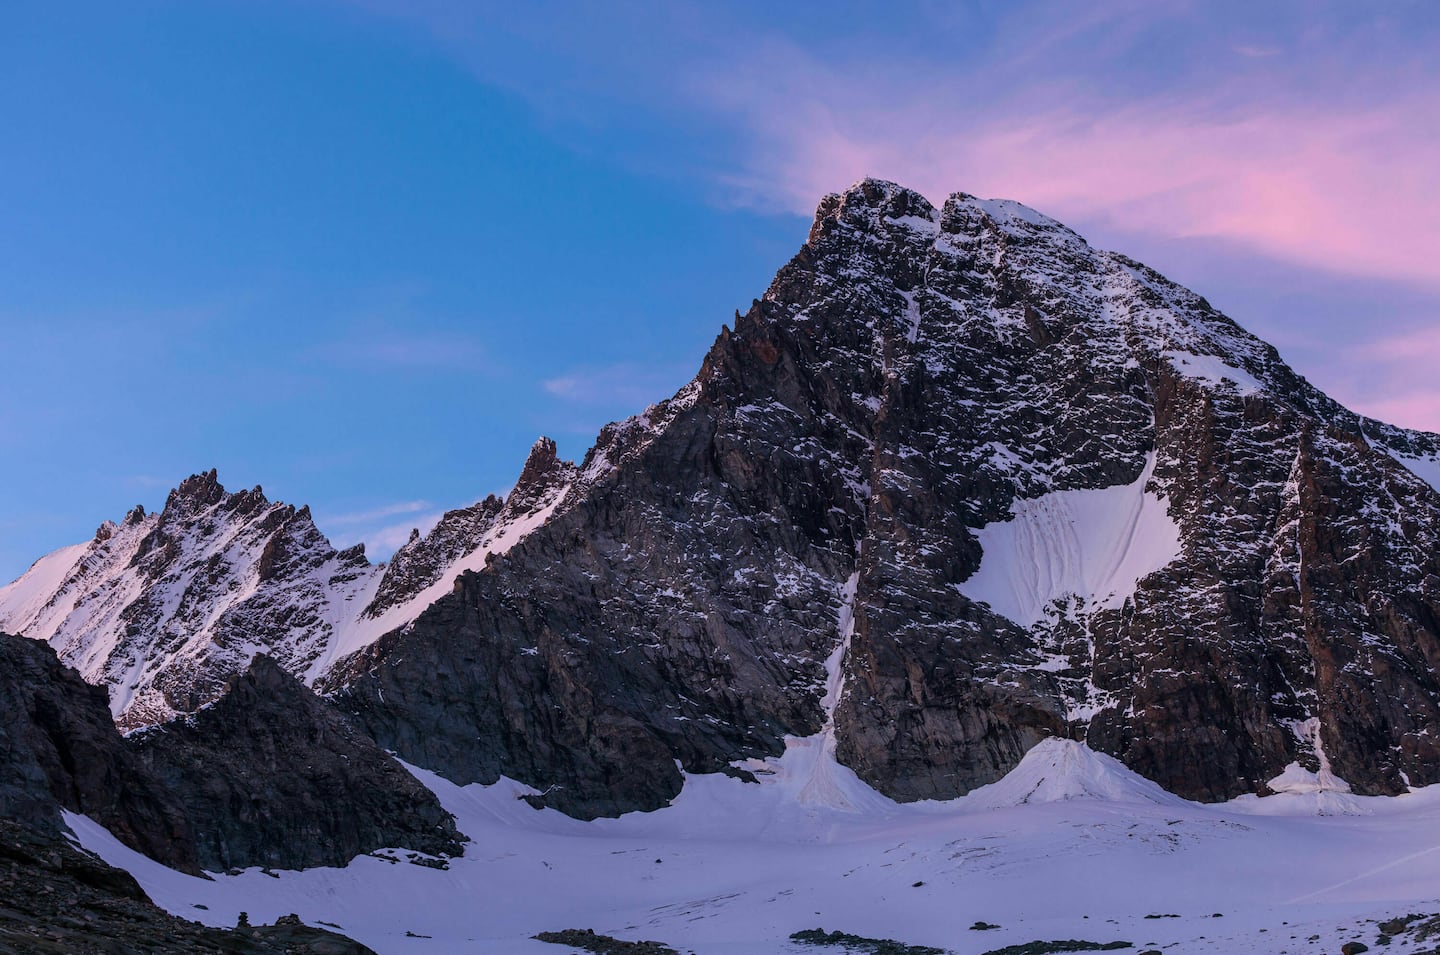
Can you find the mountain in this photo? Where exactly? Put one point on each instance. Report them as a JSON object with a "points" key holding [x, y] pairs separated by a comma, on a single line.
{"points": [[957, 484], [164, 608]]}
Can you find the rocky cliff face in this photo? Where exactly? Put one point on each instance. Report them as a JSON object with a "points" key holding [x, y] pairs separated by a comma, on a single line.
{"points": [[59, 749], [1195, 560], [270, 775]]}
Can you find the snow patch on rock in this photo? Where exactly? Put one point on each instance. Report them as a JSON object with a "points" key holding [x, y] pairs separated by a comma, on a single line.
{"points": [[1214, 372], [1096, 545], [24, 600]]}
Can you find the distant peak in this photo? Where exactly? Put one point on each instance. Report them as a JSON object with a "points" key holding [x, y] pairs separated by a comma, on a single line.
{"points": [[198, 489], [543, 472]]}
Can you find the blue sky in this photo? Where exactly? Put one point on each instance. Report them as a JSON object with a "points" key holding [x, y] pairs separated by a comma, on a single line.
{"points": [[364, 253]]}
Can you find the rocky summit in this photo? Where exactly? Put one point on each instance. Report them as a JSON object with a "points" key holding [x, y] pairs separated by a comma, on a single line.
{"points": [[957, 483]]}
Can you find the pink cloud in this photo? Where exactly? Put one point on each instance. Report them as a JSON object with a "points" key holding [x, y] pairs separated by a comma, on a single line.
{"points": [[1319, 148], [1420, 410], [1393, 379], [1355, 191]]}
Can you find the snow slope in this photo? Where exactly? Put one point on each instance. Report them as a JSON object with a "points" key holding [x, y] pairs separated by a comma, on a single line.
{"points": [[1069, 845], [26, 597], [1094, 544], [360, 629]]}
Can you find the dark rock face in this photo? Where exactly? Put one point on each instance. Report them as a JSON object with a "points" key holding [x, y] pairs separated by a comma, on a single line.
{"points": [[914, 375], [267, 775], [58, 900], [59, 748], [271, 775]]}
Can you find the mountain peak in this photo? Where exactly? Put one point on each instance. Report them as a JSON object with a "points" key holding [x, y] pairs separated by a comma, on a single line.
{"points": [[867, 202], [197, 490], [542, 474]]}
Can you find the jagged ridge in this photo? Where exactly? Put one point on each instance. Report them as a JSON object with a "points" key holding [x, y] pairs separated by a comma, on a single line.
{"points": [[163, 609]]}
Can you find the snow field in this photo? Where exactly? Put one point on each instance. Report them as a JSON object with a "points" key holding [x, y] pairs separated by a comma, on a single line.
{"points": [[1070, 845]]}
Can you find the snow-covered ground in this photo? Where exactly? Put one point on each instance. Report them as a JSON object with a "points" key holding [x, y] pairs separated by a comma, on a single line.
{"points": [[1070, 845]]}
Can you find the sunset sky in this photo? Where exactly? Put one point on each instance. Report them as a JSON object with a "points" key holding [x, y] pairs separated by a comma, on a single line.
{"points": [[364, 253]]}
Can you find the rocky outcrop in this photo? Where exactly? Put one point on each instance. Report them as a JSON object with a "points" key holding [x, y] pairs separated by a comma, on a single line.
{"points": [[465, 538], [59, 749], [270, 775], [423, 560], [914, 379]]}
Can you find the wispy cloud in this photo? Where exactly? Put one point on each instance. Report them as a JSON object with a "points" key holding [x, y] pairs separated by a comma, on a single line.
{"points": [[1256, 52], [628, 384], [377, 528], [381, 542], [1349, 187], [1328, 156], [1398, 374], [377, 513]]}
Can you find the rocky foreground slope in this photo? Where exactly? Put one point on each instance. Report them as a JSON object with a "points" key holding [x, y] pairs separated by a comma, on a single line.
{"points": [[267, 775], [957, 483], [60, 900]]}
